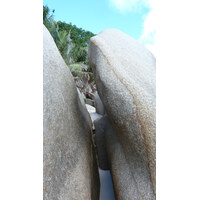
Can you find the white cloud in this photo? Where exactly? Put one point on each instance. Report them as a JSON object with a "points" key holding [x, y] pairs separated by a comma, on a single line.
{"points": [[148, 37], [126, 5]]}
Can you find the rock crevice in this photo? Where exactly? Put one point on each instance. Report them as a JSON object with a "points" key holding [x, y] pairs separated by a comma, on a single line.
{"points": [[110, 133]]}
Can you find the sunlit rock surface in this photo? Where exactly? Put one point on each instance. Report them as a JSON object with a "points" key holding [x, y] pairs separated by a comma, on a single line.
{"points": [[125, 73], [70, 169]]}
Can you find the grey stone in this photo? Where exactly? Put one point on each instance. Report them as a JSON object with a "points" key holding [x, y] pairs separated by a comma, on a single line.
{"points": [[69, 166], [89, 101], [82, 100], [93, 115], [88, 90], [79, 82], [98, 104], [100, 125], [106, 188], [81, 97], [90, 109], [125, 76]]}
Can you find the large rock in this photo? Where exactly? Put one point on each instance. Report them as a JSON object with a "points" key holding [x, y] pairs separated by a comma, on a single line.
{"points": [[125, 76], [70, 169]]}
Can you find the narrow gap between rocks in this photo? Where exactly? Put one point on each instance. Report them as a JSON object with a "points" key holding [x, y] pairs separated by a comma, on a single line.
{"points": [[87, 91], [106, 184]]}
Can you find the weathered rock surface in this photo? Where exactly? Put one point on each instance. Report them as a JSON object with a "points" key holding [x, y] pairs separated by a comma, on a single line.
{"points": [[70, 169], [125, 76]]}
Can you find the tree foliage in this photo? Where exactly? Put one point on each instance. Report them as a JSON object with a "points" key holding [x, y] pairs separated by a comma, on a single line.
{"points": [[71, 41], [79, 36]]}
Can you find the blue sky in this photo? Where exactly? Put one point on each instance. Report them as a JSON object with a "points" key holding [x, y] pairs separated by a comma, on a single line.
{"points": [[134, 17], [96, 15]]}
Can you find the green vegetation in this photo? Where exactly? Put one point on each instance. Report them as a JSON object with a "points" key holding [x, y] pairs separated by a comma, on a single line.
{"points": [[71, 41]]}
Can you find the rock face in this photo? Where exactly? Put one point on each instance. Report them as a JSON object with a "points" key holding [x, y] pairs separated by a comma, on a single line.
{"points": [[70, 169], [98, 104], [125, 76], [81, 97]]}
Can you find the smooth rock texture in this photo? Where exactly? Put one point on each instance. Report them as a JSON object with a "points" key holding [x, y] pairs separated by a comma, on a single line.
{"points": [[125, 76], [70, 170], [93, 115], [81, 96], [98, 104], [106, 186], [100, 125], [90, 109]]}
